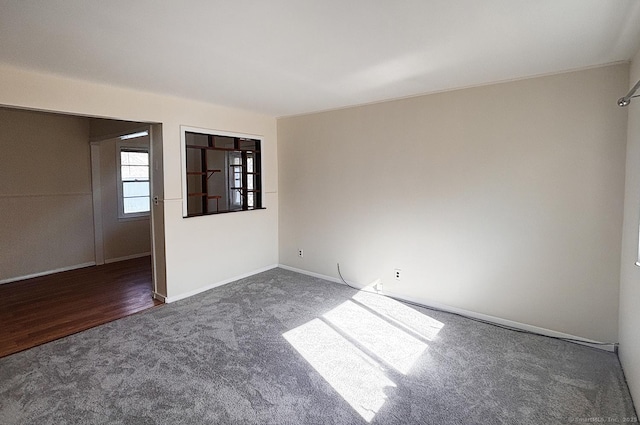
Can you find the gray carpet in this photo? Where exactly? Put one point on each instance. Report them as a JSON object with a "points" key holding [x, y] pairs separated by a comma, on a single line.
{"points": [[283, 348]]}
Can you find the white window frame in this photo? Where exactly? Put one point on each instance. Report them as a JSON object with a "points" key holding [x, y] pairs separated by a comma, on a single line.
{"points": [[130, 144], [638, 246]]}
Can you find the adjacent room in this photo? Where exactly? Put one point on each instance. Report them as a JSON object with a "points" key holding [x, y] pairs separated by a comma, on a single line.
{"points": [[338, 212], [76, 248]]}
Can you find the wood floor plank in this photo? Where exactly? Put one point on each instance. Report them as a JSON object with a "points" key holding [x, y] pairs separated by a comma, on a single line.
{"points": [[42, 309]]}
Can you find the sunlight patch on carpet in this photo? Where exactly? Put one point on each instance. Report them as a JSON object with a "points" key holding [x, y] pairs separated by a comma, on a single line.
{"points": [[391, 344], [401, 314], [354, 344], [358, 378]]}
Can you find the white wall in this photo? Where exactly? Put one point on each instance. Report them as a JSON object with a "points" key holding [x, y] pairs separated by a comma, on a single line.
{"points": [[630, 273], [504, 200], [46, 216], [199, 251]]}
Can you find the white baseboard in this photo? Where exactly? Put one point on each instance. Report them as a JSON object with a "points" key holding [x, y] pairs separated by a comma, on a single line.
{"points": [[215, 285], [506, 322], [318, 275], [460, 311], [62, 269], [127, 257]]}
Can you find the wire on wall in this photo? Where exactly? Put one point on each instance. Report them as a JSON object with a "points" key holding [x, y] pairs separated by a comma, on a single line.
{"points": [[475, 319]]}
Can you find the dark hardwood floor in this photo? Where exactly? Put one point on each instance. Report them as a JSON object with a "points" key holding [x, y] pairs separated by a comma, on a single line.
{"points": [[46, 308]]}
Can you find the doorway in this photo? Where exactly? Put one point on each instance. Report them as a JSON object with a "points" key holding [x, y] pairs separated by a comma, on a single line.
{"points": [[126, 165], [47, 199]]}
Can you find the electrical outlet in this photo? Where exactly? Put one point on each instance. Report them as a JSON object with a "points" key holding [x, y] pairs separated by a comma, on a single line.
{"points": [[397, 273], [300, 253]]}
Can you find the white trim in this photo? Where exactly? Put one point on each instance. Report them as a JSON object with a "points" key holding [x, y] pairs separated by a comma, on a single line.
{"points": [[215, 285], [96, 189], [134, 135], [318, 275], [505, 322], [638, 246], [463, 312], [62, 269], [131, 144], [183, 169], [118, 134], [126, 257]]}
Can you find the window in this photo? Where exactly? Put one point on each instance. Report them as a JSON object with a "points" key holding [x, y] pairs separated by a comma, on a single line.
{"points": [[221, 174], [133, 181]]}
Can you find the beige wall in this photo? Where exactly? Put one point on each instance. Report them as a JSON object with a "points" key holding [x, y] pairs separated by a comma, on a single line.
{"points": [[630, 273], [46, 216], [504, 200], [100, 129], [199, 251], [122, 238]]}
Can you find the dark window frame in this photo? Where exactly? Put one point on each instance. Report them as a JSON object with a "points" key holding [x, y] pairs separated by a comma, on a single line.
{"points": [[222, 172]]}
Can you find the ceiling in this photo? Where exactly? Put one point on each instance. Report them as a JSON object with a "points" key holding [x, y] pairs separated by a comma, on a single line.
{"points": [[287, 57]]}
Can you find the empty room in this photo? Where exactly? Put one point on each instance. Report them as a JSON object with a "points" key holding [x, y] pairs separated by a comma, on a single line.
{"points": [[359, 212]]}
